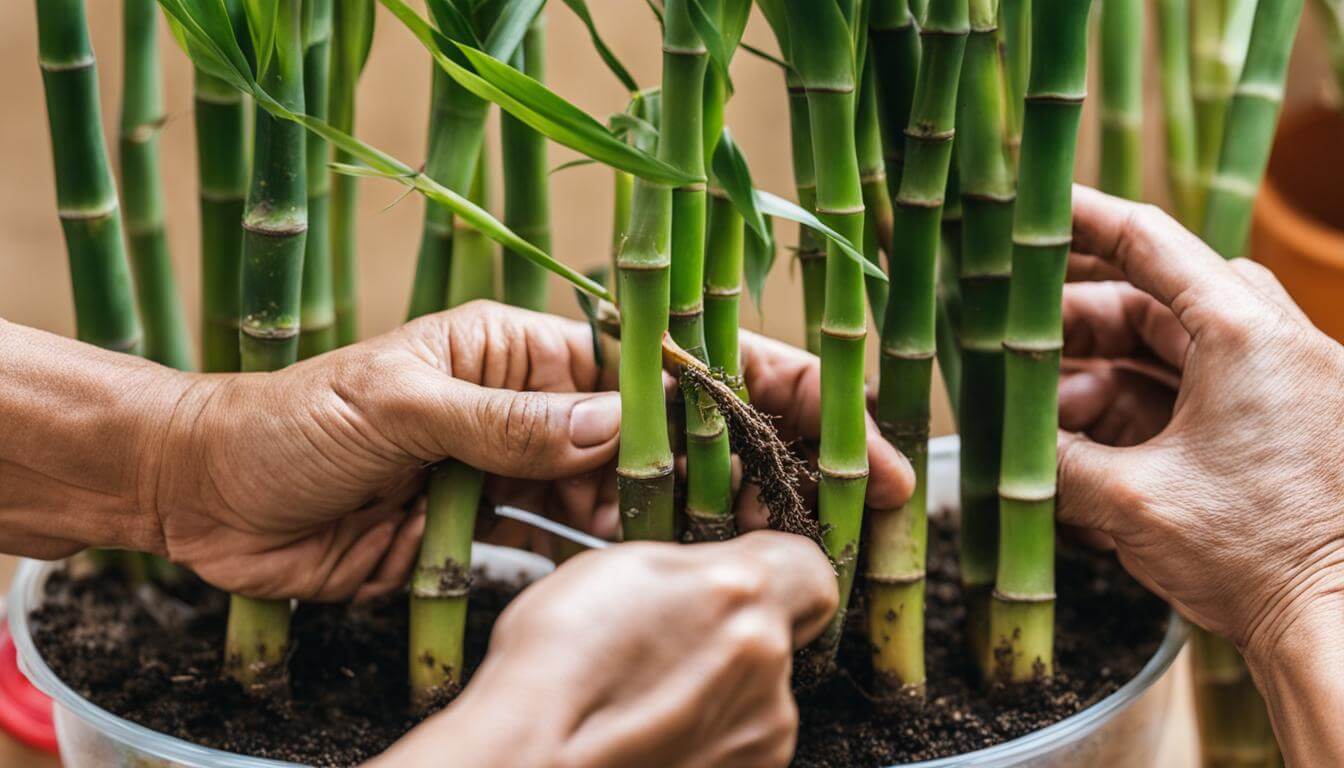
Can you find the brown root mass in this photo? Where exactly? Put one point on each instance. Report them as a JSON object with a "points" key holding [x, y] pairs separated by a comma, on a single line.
{"points": [[766, 460]]}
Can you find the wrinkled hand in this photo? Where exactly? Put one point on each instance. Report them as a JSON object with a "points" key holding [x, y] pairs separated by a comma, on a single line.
{"points": [[642, 655], [1231, 505], [302, 483]]}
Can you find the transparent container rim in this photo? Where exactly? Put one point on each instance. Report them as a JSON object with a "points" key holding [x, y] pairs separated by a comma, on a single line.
{"points": [[30, 573]]}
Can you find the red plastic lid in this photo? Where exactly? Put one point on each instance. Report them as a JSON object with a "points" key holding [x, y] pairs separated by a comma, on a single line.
{"points": [[25, 712]]}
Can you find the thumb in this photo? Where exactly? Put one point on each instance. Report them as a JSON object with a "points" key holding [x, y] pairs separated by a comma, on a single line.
{"points": [[1094, 486], [525, 435]]}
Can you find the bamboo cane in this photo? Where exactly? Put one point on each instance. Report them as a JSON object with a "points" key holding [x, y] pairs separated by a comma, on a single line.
{"points": [[1015, 50], [811, 246], [1173, 20], [1121, 54], [879, 215], [827, 72], [947, 325], [682, 145], [1220, 31], [527, 203], [1022, 612], [1252, 118], [352, 35], [221, 137], [86, 195], [897, 539], [318, 315], [988, 193], [274, 234], [165, 327]]}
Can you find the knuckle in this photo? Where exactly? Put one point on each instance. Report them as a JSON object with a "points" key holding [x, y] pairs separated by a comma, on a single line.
{"points": [[755, 642], [739, 584]]}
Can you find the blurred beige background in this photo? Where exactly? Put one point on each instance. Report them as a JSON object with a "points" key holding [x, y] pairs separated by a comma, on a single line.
{"points": [[393, 102]]}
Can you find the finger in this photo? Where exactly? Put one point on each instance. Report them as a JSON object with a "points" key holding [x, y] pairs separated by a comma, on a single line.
{"points": [[784, 381], [1158, 256], [799, 580], [1114, 320], [395, 569], [891, 478], [1084, 268], [1092, 493], [1113, 405], [526, 435]]}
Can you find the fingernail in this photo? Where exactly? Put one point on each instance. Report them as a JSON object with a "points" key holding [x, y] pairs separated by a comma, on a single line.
{"points": [[595, 421]]}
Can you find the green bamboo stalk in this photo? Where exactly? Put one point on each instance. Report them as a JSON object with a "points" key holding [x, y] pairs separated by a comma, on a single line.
{"points": [[275, 227], [897, 539], [682, 144], [1021, 636], [318, 316], [1252, 119], [352, 33], [1220, 31], [527, 200], [879, 216], [825, 63], [442, 579], [1173, 22], [988, 194], [947, 326], [456, 134], [221, 154], [1015, 50], [86, 194], [811, 246], [165, 327], [1121, 54], [894, 51], [441, 583]]}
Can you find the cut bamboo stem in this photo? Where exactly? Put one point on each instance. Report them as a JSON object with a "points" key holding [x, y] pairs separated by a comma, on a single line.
{"points": [[275, 227], [86, 195], [166, 335], [897, 539], [1022, 611]]}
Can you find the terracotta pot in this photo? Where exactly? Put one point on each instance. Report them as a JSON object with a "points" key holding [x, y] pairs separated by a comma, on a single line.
{"points": [[1298, 230]]}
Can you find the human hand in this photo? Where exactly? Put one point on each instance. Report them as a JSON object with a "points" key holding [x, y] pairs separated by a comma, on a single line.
{"points": [[301, 482], [1229, 504], [643, 654]]}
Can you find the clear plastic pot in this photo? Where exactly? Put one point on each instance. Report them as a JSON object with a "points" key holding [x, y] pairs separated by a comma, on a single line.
{"points": [[1124, 729]]}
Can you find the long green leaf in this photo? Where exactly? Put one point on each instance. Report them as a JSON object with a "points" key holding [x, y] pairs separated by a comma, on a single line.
{"points": [[192, 18], [772, 205], [730, 168], [580, 9], [715, 44], [533, 104], [453, 21], [509, 26], [758, 258], [261, 21]]}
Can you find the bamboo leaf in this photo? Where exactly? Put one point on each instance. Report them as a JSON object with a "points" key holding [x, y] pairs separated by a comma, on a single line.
{"points": [[772, 205], [510, 22], [813, 55], [766, 56], [262, 17], [591, 310], [356, 20], [636, 129], [732, 173], [572, 164], [715, 44], [758, 259], [453, 21], [657, 10], [580, 9]]}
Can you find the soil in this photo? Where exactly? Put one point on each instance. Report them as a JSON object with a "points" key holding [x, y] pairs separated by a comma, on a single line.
{"points": [[1108, 627], [347, 673], [348, 676]]}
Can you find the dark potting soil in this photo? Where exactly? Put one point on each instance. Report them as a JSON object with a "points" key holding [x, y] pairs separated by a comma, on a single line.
{"points": [[349, 689], [1108, 627], [347, 672]]}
